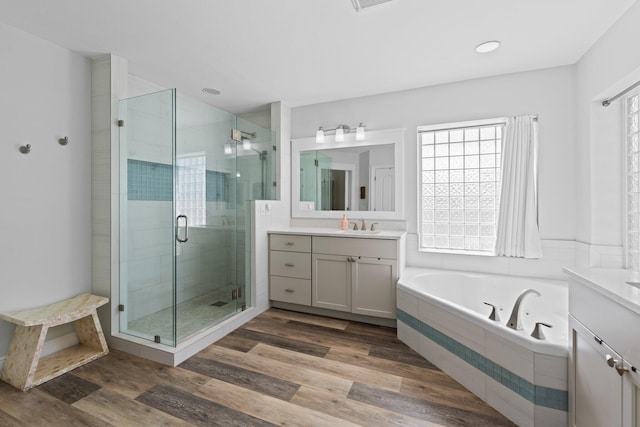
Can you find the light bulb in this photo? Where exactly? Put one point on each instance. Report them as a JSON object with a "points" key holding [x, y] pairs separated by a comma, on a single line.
{"points": [[246, 144], [340, 134], [319, 135], [360, 132], [227, 149]]}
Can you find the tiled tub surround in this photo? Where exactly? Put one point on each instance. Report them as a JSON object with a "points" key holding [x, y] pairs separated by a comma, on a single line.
{"points": [[442, 316]]}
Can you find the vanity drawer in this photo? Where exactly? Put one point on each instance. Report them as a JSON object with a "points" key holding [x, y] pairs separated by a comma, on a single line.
{"points": [[287, 289], [290, 242], [290, 264], [353, 246]]}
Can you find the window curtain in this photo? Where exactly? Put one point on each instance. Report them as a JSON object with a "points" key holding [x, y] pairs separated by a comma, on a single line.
{"points": [[517, 234]]}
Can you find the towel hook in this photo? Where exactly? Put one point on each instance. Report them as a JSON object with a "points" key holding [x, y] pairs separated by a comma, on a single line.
{"points": [[63, 141], [25, 149]]}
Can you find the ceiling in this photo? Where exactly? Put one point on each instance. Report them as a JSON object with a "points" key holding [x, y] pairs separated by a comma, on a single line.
{"points": [[310, 51]]}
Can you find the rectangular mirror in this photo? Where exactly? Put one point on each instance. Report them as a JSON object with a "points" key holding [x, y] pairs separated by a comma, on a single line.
{"points": [[360, 178]]}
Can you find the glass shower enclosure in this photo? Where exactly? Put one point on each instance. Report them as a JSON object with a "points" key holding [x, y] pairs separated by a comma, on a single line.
{"points": [[188, 172]]}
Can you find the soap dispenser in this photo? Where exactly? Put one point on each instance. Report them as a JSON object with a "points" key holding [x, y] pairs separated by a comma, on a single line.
{"points": [[344, 224]]}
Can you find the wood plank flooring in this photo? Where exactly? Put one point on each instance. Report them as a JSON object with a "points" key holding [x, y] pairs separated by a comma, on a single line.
{"points": [[282, 368]]}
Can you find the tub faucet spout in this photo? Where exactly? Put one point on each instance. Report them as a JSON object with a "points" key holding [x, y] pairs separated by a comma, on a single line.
{"points": [[515, 321]]}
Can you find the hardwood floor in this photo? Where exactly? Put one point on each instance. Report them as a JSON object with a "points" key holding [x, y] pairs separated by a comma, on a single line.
{"points": [[282, 368]]}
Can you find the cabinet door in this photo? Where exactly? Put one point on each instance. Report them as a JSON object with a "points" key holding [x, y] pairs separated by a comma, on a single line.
{"points": [[374, 287], [596, 399], [631, 397], [331, 282]]}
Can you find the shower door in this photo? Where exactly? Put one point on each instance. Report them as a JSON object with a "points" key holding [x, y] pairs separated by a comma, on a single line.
{"points": [[183, 218], [209, 220]]}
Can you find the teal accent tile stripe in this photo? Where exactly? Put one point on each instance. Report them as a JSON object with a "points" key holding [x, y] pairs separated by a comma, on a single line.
{"points": [[149, 181], [538, 395]]}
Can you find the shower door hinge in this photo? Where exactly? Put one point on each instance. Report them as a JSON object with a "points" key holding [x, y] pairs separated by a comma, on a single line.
{"points": [[156, 339], [315, 162], [236, 135], [121, 307], [275, 184], [275, 148], [236, 293], [244, 307], [120, 123]]}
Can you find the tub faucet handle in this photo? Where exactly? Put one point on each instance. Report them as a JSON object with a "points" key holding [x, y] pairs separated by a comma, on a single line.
{"points": [[494, 312], [355, 225], [537, 331], [373, 226]]}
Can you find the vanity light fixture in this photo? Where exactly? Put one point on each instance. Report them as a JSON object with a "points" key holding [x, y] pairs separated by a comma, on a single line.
{"points": [[360, 132], [340, 132], [488, 47]]}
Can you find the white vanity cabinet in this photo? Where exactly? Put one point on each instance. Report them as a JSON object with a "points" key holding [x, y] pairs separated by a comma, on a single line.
{"points": [[603, 380], [290, 269], [353, 275]]}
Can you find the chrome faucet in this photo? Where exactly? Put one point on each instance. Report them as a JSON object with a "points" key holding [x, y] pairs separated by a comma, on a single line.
{"points": [[363, 226], [515, 321]]}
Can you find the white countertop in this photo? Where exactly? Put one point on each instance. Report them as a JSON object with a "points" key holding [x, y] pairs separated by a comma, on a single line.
{"points": [[317, 231], [611, 283]]}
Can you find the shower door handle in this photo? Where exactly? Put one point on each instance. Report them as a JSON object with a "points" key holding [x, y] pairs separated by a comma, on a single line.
{"points": [[186, 229]]}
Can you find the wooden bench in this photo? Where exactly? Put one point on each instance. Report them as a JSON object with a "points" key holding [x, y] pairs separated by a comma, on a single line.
{"points": [[24, 368]]}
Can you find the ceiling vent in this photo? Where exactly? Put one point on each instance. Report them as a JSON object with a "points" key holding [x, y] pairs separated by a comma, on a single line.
{"points": [[363, 4]]}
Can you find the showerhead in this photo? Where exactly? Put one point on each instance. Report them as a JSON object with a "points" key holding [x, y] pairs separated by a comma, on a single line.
{"points": [[363, 4]]}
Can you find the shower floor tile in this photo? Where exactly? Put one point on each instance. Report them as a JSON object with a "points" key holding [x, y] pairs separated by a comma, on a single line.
{"points": [[192, 316]]}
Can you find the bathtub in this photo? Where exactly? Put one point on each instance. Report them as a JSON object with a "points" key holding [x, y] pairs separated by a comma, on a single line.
{"points": [[442, 315]]}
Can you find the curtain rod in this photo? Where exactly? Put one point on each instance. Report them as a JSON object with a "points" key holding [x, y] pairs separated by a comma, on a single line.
{"points": [[608, 102]]}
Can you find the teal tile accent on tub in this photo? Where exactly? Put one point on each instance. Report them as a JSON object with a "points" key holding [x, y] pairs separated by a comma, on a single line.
{"points": [[538, 395], [149, 181]]}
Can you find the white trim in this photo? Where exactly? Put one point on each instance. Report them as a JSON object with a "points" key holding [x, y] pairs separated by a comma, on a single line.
{"points": [[465, 124]]}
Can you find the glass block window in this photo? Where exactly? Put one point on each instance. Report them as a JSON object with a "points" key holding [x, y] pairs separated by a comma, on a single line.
{"points": [[632, 117], [191, 188], [459, 186]]}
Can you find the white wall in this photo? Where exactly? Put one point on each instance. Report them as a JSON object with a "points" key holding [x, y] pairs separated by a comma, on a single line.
{"points": [[45, 220], [550, 93], [611, 65]]}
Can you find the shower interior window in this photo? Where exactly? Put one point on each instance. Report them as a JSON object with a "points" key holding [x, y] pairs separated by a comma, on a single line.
{"points": [[191, 187]]}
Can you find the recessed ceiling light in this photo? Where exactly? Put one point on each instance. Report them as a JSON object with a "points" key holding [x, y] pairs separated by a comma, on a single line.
{"points": [[211, 91], [487, 47]]}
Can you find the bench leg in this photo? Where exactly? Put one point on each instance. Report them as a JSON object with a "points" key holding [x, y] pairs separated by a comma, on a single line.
{"points": [[24, 353], [90, 332]]}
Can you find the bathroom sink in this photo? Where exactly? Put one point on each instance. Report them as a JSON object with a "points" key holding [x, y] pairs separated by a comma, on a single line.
{"points": [[359, 231]]}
